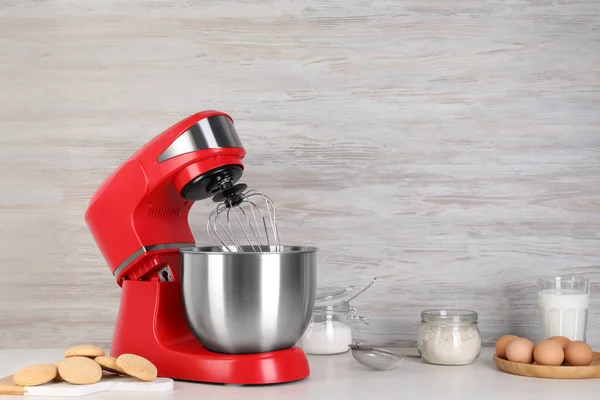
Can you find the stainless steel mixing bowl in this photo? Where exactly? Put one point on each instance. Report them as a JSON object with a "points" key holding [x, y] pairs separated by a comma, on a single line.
{"points": [[248, 302]]}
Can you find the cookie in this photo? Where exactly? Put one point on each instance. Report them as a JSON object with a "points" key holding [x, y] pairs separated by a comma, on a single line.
{"points": [[80, 370], [84, 351], [36, 374], [137, 367], [109, 364], [57, 378]]}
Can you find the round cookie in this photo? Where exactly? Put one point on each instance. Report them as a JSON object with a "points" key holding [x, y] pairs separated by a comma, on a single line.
{"points": [[137, 366], [80, 370], [84, 351], [109, 364], [34, 375]]}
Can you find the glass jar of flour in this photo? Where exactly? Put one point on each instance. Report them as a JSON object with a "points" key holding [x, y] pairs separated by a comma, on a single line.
{"points": [[449, 337], [330, 327]]}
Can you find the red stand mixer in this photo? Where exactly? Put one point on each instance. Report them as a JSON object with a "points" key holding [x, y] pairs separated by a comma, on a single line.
{"points": [[139, 220]]}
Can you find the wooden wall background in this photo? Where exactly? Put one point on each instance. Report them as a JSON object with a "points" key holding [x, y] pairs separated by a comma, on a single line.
{"points": [[451, 148]]}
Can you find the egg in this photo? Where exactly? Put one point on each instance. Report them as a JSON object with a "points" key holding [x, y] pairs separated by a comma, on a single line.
{"points": [[520, 350], [502, 343], [578, 353], [563, 341], [549, 352]]}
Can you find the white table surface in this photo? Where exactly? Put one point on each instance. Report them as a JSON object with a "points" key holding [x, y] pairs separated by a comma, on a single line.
{"points": [[340, 377]]}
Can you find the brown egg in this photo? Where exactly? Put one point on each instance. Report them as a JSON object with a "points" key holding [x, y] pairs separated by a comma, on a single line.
{"points": [[502, 343], [578, 353], [520, 350], [563, 341], [549, 352]]}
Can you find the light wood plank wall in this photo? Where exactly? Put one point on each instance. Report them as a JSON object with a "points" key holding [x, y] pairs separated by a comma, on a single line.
{"points": [[451, 148]]}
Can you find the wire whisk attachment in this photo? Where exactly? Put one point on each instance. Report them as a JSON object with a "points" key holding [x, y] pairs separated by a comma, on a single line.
{"points": [[244, 222]]}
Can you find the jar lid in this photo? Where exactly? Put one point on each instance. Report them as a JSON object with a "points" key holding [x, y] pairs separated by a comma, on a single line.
{"points": [[456, 316], [343, 307], [332, 295]]}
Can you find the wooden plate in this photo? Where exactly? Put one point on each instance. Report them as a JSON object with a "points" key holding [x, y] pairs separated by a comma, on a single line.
{"points": [[549, 372]]}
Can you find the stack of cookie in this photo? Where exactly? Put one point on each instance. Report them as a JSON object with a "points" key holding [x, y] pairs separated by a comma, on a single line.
{"points": [[84, 365]]}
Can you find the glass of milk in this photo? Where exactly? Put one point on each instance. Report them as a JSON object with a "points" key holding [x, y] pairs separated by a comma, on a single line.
{"points": [[564, 303]]}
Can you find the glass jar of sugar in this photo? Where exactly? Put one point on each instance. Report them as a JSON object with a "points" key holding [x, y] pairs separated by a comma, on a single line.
{"points": [[330, 327], [329, 330], [449, 337]]}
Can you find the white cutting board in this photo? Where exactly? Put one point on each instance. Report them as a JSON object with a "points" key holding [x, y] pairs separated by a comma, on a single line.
{"points": [[108, 383]]}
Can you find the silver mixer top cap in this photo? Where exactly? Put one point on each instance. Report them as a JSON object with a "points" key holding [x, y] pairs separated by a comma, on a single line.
{"points": [[243, 219], [213, 132]]}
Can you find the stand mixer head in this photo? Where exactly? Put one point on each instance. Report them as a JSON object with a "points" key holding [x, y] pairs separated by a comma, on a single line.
{"points": [[139, 220]]}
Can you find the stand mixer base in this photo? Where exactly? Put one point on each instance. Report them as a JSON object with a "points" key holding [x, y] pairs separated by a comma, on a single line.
{"points": [[151, 324]]}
